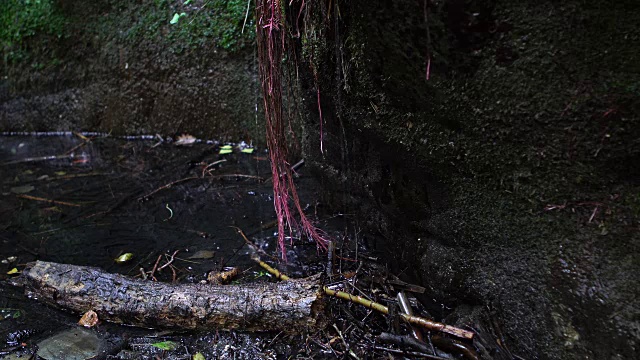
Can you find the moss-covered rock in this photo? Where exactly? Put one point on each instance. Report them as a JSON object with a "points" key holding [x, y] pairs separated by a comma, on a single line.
{"points": [[510, 177]]}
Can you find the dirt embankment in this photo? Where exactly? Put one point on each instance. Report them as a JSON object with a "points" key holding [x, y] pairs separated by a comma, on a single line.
{"points": [[508, 177]]}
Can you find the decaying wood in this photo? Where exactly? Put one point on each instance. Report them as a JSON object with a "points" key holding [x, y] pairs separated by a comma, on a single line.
{"points": [[291, 306]]}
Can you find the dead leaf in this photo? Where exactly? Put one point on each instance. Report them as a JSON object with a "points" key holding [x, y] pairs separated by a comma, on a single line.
{"points": [[89, 319], [222, 277], [203, 254], [22, 189], [185, 139]]}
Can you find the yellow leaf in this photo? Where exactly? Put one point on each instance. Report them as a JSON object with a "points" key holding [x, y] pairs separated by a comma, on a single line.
{"points": [[13, 271], [225, 151], [124, 258]]}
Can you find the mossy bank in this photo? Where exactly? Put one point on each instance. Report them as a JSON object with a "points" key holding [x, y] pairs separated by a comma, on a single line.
{"points": [[127, 67]]}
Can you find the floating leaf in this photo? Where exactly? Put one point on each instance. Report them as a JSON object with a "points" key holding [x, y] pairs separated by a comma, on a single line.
{"points": [[166, 345], [203, 254], [124, 258], [225, 151], [185, 139], [22, 189], [226, 147], [60, 173], [13, 271], [198, 356], [247, 150]]}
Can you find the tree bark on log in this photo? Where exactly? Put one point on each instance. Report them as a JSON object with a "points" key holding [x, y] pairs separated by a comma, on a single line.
{"points": [[291, 306]]}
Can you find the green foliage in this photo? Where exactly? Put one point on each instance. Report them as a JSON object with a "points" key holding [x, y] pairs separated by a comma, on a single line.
{"points": [[220, 20], [166, 345], [23, 22]]}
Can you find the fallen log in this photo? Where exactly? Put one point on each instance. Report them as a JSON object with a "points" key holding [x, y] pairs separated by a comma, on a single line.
{"points": [[290, 306]]}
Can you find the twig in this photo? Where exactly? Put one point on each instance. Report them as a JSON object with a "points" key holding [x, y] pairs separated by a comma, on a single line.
{"points": [[155, 266], [405, 306], [173, 271], [166, 186], [259, 178], [143, 274], [330, 255], [57, 202], [271, 270], [170, 260], [431, 325], [85, 141], [40, 158], [252, 245], [346, 346], [211, 165], [593, 214], [455, 346], [403, 340], [246, 16]]}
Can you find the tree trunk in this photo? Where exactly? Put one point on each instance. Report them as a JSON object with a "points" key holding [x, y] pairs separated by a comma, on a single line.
{"points": [[291, 306]]}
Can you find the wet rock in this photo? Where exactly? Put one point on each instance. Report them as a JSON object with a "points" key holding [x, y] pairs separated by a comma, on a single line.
{"points": [[72, 344]]}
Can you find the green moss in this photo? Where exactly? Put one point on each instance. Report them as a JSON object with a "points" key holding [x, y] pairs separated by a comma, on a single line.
{"points": [[28, 25], [205, 23]]}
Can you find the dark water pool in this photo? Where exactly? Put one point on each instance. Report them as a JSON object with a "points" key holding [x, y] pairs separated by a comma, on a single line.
{"points": [[84, 201]]}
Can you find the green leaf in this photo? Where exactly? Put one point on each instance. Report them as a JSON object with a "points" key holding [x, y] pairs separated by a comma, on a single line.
{"points": [[175, 19], [187, 3], [199, 356], [225, 151], [226, 147], [13, 271], [166, 345], [247, 150], [124, 258]]}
